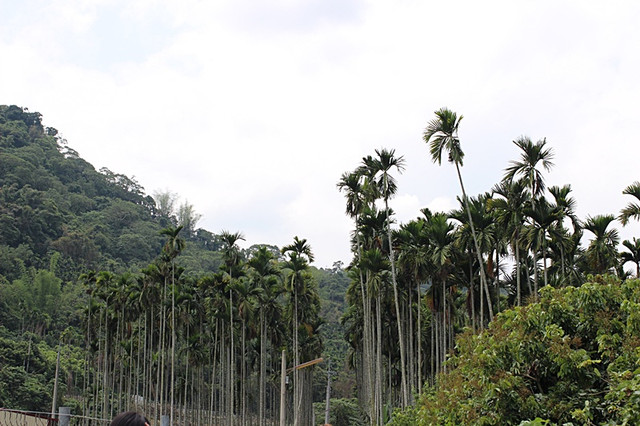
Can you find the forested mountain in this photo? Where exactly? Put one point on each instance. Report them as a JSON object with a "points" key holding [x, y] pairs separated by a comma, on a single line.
{"points": [[133, 294]]}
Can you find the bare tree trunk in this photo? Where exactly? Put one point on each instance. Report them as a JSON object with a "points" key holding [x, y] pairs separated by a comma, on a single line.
{"points": [[367, 344], [403, 368], [263, 372], [472, 290], [444, 325], [483, 278], [379, 376], [535, 275], [419, 340], [518, 284]]}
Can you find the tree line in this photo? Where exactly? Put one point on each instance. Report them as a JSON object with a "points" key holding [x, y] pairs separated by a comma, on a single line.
{"points": [[415, 287], [207, 349]]}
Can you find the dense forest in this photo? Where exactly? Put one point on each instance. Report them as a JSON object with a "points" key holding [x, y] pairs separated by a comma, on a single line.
{"points": [[509, 309]]}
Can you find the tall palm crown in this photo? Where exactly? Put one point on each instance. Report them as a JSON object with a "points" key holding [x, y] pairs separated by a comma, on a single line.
{"points": [[532, 156], [442, 134], [566, 205], [509, 210], [351, 184], [384, 163], [174, 244], [230, 251], [440, 234], [484, 223], [414, 246], [300, 248], [632, 255], [601, 254], [632, 210], [377, 171], [263, 263]]}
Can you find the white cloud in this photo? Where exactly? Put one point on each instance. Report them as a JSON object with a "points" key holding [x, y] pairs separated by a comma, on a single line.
{"points": [[252, 110]]}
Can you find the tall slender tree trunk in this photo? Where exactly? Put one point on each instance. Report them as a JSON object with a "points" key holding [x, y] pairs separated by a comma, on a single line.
{"points": [[231, 363], [296, 376], [244, 374], [163, 322], [173, 339], [444, 325], [263, 372], [379, 376], [544, 261], [432, 346], [419, 376], [472, 290], [483, 278], [535, 275], [105, 369], [497, 280], [403, 365], [518, 284], [367, 344], [410, 343]]}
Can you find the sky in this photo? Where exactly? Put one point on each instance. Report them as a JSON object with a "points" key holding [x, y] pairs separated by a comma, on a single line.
{"points": [[250, 110]]}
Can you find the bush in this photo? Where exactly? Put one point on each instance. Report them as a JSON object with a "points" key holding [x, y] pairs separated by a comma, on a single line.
{"points": [[572, 357]]}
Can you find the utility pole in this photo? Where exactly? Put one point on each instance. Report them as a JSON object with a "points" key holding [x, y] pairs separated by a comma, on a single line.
{"points": [[326, 408], [283, 376], [55, 385]]}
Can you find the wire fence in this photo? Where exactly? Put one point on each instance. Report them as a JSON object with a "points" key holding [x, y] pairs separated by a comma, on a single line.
{"points": [[37, 418], [11, 417]]}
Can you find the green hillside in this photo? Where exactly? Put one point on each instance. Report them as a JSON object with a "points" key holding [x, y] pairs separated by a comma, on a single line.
{"points": [[121, 283]]}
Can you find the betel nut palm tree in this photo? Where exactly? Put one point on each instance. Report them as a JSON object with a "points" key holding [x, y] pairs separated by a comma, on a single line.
{"points": [[172, 248], [299, 257], [601, 255], [632, 255], [232, 258], [527, 168], [264, 274], [355, 193], [377, 171], [509, 213], [442, 135], [632, 210], [532, 155]]}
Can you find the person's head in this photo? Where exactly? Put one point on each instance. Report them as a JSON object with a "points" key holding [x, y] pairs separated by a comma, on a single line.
{"points": [[130, 418]]}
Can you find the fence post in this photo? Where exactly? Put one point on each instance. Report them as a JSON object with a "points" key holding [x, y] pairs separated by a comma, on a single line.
{"points": [[64, 416]]}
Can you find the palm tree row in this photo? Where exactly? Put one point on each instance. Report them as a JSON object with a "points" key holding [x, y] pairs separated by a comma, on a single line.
{"points": [[201, 350], [416, 285]]}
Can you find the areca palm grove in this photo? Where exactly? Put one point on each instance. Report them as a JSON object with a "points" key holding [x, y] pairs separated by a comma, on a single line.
{"points": [[417, 285], [202, 350]]}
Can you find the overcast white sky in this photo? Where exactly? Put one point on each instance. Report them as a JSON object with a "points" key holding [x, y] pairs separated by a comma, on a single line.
{"points": [[251, 110]]}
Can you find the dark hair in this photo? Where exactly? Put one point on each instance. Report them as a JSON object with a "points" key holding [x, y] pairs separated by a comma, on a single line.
{"points": [[129, 418]]}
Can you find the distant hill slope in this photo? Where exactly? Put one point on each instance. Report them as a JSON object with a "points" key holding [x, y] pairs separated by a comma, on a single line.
{"points": [[53, 200]]}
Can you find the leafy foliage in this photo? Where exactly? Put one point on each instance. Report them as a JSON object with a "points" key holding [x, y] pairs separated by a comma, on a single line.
{"points": [[574, 356]]}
